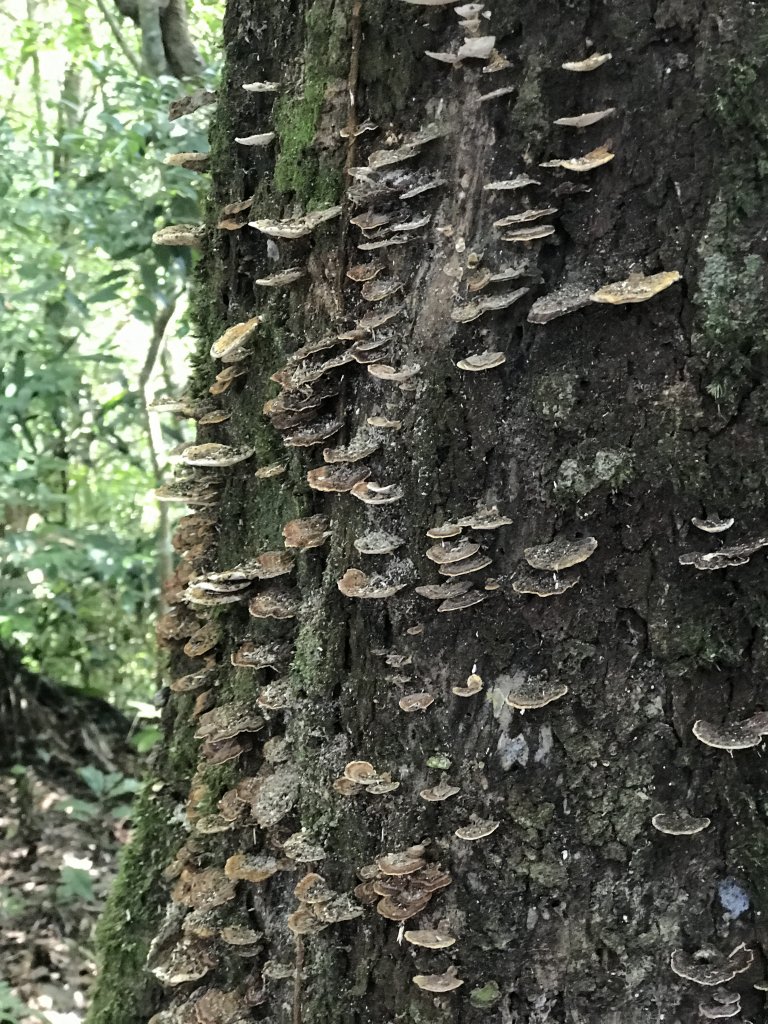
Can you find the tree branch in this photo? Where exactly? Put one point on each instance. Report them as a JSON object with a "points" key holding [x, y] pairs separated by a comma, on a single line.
{"points": [[120, 39]]}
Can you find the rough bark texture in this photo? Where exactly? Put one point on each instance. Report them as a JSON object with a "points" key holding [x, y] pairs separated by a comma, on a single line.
{"points": [[619, 422]]}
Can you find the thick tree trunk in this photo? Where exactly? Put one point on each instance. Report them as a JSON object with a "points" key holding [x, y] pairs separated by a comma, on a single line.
{"points": [[619, 422]]}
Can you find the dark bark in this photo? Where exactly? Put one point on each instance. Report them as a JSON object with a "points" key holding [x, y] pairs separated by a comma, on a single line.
{"points": [[621, 422]]}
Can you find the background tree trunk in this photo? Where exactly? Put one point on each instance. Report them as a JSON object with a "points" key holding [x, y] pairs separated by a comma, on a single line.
{"points": [[617, 422]]}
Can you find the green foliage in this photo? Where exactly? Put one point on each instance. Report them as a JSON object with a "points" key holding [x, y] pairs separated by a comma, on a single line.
{"points": [[75, 886], [83, 292], [107, 788], [12, 1009]]}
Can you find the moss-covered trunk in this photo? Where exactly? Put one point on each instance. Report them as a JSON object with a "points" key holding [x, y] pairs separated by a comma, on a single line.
{"points": [[617, 422]]}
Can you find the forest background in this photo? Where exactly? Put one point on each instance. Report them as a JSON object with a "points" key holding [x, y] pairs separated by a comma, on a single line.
{"points": [[94, 327]]}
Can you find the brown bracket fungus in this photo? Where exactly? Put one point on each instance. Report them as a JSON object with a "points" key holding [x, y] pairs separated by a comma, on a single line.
{"points": [[679, 823], [588, 162], [585, 120], [485, 518], [443, 591], [591, 63], [273, 604], [380, 288], [382, 371], [179, 234], [511, 184], [488, 304], [206, 888], [429, 938], [339, 478], [362, 272], [533, 692], [301, 848], [560, 553], [304, 534], [709, 967], [203, 640], [258, 656], [446, 982], [355, 583], [713, 524], [250, 867]]}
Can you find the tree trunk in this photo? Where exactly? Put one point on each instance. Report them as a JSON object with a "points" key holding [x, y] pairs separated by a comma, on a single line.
{"points": [[619, 422]]}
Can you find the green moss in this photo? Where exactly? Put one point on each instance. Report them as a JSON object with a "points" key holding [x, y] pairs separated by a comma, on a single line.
{"points": [[529, 116], [486, 997], [301, 166], [132, 915], [732, 343]]}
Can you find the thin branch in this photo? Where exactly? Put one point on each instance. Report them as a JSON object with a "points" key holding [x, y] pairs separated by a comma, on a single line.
{"points": [[120, 39]]}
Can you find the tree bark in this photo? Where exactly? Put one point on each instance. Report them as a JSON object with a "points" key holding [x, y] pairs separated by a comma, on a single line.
{"points": [[618, 422]]}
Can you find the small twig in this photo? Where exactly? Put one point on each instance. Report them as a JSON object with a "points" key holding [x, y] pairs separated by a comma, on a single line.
{"points": [[120, 39], [296, 1018]]}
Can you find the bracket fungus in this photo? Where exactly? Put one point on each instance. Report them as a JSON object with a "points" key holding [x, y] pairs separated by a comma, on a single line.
{"points": [[362, 272], [303, 534], [302, 848], [378, 542], [462, 601], [473, 685], [355, 583], [488, 304], [273, 604], [485, 517], [525, 217], [585, 120], [720, 1011], [260, 140], [442, 791], [372, 493], [532, 234], [261, 86], [296, 227], [486, 360], [429, 938], [380, 288], [713, 524], [443, 591], [446, 982], [339, 478], [588, 162], [203, 640], [679, 823], [382, 371], [416, 701], [479, 829], [444, 553], [465, 566], [179, 234], [532, 692], [444, 532], [258, 656], [560, 553], [510, 184], [710, 967], [591, 63], [566, 299], [206, 888], [250, 867], [733, 736], [282, 278], [636, 288], [543, 584], [215, 455]]}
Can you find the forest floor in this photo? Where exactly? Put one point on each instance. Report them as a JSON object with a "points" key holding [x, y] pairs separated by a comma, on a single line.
{"points": [[61, 829]]}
